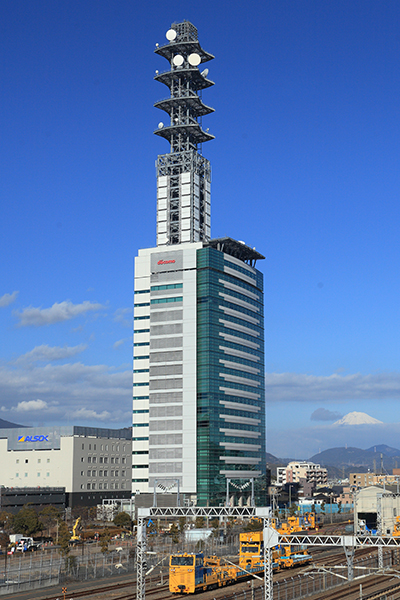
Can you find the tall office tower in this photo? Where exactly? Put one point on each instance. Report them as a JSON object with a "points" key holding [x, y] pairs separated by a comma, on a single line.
{"points": [[198, 383]]}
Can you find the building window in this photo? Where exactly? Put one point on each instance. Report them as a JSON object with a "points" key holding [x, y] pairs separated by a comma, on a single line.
{"points": [[122, 473], [16, 474], [93, 486], [89, 473], [118, 448], [26, 461], [90, 446], [106, 447], [94, 459], [47, 474], [82, 473], [116, 485], [26, 474], [113, 448], [106, 486], [17, 461], [124, 448], [100, 473], [88, 486], [94, 473], [112, 460], [116, 460], [105, 474], [105, 460], [111, 486], [83, 446], [100, 486], [102, 447], [38, 474], [39, 460], [82, 486], [48, 460], [94, 446], [116, 473], [89, 459], [100, 459], [123, 485], [112, 473], [123, 460]]}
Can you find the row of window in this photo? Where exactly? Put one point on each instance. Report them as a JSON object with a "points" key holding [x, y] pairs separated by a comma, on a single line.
{"points": [[165, 300], [38, 475], [104, 459], [169, 286], [141, 304], [142, 291], [114, 447], [141, 318], [104, 486], [141, 331], [93, 473], [140, 439]]}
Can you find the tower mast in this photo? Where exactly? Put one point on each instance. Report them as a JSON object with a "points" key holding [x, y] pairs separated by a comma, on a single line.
{"points": [[183, 175]]}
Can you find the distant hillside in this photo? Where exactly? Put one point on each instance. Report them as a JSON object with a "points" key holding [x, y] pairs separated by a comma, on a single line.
{"points": [[8, 425], [349, 460], [386, 450]]}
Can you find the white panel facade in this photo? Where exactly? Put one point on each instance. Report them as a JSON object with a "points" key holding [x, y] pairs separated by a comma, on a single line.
{"points": [[165, 394]]}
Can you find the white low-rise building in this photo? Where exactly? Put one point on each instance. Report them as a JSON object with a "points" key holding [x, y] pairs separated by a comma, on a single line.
{"points": [[309, 472], [90, 463]]}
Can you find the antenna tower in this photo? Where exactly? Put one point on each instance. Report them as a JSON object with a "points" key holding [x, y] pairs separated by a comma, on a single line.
{"points": [[183, 175]]}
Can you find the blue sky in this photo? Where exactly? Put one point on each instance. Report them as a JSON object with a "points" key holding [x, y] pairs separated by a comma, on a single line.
{"points": [[305, 168]]}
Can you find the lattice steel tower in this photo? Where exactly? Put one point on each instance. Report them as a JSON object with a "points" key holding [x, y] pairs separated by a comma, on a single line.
{"points": [[183, 175]]}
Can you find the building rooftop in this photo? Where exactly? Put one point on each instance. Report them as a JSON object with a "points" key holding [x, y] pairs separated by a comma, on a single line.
{"points": [[237, 249]]}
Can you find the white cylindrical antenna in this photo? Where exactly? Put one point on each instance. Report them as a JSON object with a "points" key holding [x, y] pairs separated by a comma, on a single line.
{"points": [[170, 35]]}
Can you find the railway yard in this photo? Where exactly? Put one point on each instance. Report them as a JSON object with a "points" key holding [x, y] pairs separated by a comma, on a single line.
{"points": [[324, 579]]}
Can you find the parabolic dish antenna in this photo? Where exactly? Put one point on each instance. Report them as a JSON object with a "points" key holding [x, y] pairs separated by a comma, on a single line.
{"points": [[178, 60], [194, 59], [160, 125], [204, 73], [170, 35]]}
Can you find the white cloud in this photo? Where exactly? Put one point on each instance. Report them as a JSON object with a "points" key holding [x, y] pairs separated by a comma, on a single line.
{"points": [[67, 388], [49, 353], [31, 405], [119, 343], [123, 316], [84, 413], [60, 311], [282, 387], [323, 414], [8, 299]]}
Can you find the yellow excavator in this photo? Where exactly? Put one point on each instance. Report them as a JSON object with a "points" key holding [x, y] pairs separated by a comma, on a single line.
{"points": [[74, 536]]}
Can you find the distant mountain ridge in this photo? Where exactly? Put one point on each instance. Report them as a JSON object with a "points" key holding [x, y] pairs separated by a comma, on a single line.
{"points": [[8, 425], [342, 461], [355, 459]]}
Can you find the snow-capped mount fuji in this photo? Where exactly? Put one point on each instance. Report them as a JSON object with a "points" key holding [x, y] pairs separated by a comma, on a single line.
{"points": [[358, 418]]}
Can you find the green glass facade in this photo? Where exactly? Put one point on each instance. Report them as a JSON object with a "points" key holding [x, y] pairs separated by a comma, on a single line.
{"points": [[230, 378]]}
